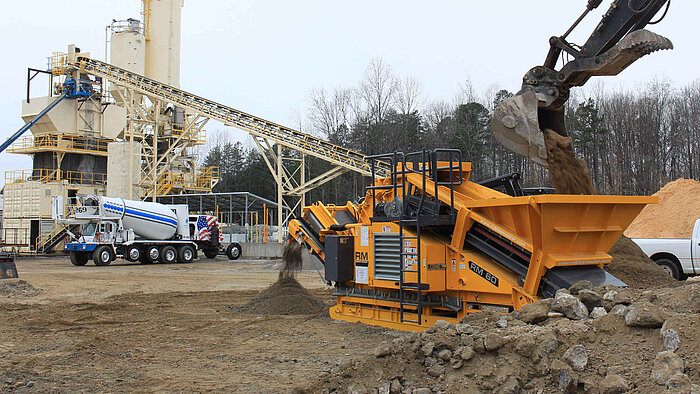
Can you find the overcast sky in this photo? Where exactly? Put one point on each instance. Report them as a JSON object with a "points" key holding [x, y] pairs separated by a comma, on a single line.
{"points": [[264, 57]]}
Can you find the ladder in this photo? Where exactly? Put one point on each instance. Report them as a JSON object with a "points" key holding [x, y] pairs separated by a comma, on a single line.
{"points": [[255, 126], [417, 213]]}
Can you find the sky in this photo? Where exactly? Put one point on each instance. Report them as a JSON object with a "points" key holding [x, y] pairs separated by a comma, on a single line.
{"points": [[264, 57]]}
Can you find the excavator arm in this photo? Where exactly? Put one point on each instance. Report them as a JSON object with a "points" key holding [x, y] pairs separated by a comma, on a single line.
{"points": [[617, 42]]}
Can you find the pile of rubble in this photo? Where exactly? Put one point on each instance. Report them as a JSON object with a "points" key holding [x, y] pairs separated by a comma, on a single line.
{"points": [[597, 340]]}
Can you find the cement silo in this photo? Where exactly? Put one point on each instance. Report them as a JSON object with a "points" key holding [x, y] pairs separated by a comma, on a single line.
{"points": [[163, 24], [128, 46], [127, 50]]}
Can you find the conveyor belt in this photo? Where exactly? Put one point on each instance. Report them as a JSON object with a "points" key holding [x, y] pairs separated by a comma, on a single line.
{"points": [[257, 127]]}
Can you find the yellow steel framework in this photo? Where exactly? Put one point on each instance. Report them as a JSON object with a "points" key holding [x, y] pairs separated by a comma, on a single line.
{"points": [[55, 142], [270, 138], [164, 148], [202, 181], [53, 175]]}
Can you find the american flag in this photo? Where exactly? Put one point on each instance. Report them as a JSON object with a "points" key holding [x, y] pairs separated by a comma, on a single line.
{"points": [[204, 224]]}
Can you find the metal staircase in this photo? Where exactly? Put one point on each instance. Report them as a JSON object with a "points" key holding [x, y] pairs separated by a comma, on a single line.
{"points": [[48, 241], [257, 127], [416, 212]]}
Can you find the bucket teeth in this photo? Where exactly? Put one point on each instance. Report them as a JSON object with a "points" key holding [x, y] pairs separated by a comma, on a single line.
{"points": [[635, 45]]}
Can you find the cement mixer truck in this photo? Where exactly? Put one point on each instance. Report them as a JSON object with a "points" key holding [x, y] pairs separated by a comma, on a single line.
{"points": [[142, 231]]}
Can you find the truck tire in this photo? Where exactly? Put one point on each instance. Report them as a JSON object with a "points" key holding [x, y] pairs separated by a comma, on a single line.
{"points": [[168, 255], [103, 255], [186, 254], [79, 258], [151, 256], [211, 253], [234, 251], [670, 266], [133, 253]]}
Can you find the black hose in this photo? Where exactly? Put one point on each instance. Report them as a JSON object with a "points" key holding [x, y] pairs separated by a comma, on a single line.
{"points": [[644, 9], [663, 15]]}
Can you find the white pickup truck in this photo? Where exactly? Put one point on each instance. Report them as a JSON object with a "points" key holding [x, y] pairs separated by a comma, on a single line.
{"points": [[679, 256]]}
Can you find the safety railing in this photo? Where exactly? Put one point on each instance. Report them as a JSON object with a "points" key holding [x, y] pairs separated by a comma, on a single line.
{"points": [[14, 236], [52, 175], [59, 63], [49, 236], [204, 180], [59, 142]]}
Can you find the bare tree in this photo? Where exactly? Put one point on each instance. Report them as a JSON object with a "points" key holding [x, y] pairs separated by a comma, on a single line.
{"points": [[330, 114], [378, 88], [409, 95]]}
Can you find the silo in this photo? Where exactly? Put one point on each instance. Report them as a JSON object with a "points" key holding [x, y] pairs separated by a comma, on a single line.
{"points": [[128, 50], [163, 46], [123, 169], [128, 46]]}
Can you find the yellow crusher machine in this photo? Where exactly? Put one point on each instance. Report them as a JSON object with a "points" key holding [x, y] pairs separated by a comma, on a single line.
{"points": [[427, 244]]}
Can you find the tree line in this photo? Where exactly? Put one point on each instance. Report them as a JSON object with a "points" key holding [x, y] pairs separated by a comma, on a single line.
{"points": [[634, 141]]}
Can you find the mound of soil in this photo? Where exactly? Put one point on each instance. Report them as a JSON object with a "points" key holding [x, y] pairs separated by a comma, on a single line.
{"points": [[675, 214], [625, 348], [284, 297], [17, 288], [632, 266]]}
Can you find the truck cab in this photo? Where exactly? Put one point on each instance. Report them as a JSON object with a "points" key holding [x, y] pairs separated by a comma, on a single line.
{"points": [[680, 257]]}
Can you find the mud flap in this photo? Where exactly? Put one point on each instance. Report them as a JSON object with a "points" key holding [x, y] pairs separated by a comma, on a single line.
{"points": [[8, 269], [515, 125]]}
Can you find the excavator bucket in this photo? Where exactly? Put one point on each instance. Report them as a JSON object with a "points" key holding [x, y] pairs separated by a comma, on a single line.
{"points": [[515, 125], [8, 269], [518, 121]]}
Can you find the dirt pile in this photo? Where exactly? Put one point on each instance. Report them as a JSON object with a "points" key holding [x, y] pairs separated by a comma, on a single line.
{"points": [[17, 288], [603, 339], [284, 297], [632, 266], [675, 214], [569, 175]]}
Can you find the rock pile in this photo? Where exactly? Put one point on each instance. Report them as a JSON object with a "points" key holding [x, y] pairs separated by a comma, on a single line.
{"points": [[596, 340]]}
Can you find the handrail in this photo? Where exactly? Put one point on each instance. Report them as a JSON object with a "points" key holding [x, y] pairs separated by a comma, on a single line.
{"points": [[49, 175], [54, 141]]}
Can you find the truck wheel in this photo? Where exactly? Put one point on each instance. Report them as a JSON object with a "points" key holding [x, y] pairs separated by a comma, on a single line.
{"points": [[233, 251], [168, 255], [102, 255], [133, 253], [211, 253], [79, 258], [671, 267], [185, 254], [152, 255]]}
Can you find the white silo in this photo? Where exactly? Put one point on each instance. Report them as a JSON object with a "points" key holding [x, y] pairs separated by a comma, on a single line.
{"points": [[163, 44], [127, 50], [128, 46]]}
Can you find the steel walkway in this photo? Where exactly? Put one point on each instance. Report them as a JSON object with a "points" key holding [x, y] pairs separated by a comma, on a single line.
{"points": [[257, 127]]}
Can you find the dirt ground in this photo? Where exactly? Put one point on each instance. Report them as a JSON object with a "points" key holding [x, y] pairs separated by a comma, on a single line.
{"points": [[130, 327]]}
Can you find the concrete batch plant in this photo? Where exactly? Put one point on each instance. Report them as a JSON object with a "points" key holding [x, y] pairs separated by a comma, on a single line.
{"points": [[108, 139]]}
